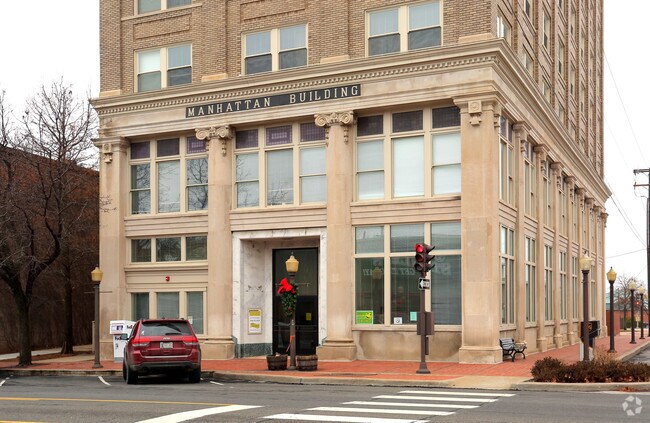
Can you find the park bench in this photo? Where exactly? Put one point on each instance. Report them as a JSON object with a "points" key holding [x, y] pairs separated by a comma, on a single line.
{"points": [[511, 348]]}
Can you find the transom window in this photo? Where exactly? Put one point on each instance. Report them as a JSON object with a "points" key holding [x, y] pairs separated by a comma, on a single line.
{"points": [[164, 67], [275, 49], [169, 249], [379, 248], [408, 154], [405, 28], [168, 176], [292, 158], [145, 6], [170, 304]]}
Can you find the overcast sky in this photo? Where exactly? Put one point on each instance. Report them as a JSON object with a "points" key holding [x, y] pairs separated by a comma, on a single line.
{"points": [[43, 41]]}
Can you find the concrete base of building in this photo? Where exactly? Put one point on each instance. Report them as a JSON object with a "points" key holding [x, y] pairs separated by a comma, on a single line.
{"points": [[218, 349], [480, 355], [542, 344], [571, 337], [558, 341], [337, 350]]}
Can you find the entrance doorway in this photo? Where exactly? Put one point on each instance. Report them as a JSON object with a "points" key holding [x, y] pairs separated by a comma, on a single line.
{"points": [[307, 306]]}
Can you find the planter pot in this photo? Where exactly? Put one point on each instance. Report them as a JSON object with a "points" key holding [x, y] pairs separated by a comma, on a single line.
{"points": [[277, 362], [307, 362]]}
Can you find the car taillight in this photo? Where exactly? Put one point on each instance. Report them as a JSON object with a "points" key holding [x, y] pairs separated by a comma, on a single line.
{"points": [[141, 342], [190, 341]]}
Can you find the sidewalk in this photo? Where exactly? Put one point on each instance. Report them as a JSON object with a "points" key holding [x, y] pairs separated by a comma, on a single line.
{"points": [[505, 375]]}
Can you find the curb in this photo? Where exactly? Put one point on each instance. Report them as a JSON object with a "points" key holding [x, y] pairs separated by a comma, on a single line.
{"points": [[582, 387]]}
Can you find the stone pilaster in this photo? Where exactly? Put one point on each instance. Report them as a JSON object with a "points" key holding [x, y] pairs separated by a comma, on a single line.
{"points": [[113, 171], [219, 343], [339, 344], [480, 230], [580, 199], [556, 169], [541, 153], [521, 132], [571, 319]]}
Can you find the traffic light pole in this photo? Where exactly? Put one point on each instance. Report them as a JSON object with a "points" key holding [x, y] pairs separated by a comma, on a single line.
{"points": [[423, 336]]}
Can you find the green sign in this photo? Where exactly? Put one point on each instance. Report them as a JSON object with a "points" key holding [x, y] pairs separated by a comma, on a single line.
{"points": [[364, 317]]}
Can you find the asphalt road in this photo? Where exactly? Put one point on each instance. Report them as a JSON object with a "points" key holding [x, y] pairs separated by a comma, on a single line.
{"points": [[163, 400]]}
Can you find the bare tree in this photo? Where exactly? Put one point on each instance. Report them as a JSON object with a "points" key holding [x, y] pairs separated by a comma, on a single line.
{"points": [[622, 294], [47, 196]]}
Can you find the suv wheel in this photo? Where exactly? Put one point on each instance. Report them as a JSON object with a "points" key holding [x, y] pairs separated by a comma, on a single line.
{"points": [[195, 376], [131, 376]]}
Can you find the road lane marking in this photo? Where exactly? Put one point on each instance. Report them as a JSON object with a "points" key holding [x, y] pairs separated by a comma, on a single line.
{"points": [[195, 414], [435, 398], [113, 401], [216, 383], [476, 394], [382, 410], [410, 404], [341, 419], [103, 381], [2, 382]]}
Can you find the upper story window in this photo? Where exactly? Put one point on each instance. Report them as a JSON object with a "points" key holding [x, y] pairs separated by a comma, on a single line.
{"points": [[504, 29], [528, 63], [546, 34], [145, 6], [169, 176], [405, 28], [275, 49], [528, 8], [164, 67], [506, 162], [408, 154], [288, 156]]}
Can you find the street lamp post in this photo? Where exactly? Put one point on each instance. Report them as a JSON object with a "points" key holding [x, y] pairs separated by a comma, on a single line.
{"points": [[631, 285], [641, 292], [611, 277], [585, 266], [292, 268], [96, 276]]}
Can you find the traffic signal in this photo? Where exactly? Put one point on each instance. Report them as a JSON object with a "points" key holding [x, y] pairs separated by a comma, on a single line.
{"points": [[423, 259]]}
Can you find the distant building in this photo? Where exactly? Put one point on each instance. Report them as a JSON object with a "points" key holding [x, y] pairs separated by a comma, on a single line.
{"points": [[235, 133]]}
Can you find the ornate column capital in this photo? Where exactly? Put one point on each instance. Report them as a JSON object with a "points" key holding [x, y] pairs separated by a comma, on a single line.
{"points": [[571, 183], [589, 202], [556, 167], [222, 133], [110, 145], [604, 215], [326, 120], [580, 195]]}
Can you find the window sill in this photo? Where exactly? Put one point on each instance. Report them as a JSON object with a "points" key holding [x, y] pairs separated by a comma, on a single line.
{"points": [[161, 12]]}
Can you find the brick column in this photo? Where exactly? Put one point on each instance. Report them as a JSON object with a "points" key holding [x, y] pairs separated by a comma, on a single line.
{"points": [[339, 344], [113, 174], [219, 301]]}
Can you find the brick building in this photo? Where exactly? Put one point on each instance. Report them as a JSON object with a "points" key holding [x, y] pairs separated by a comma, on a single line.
{"points": [[235, 133]]}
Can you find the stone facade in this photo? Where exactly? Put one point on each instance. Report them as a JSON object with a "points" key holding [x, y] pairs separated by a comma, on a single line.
{"points": [[530, 197]]}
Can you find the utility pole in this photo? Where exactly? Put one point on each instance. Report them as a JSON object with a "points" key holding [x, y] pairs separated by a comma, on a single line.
{"points": [[646, 171]]}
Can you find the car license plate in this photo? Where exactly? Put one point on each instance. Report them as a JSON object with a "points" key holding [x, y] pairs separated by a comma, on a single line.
{"points": [[166, 345]]}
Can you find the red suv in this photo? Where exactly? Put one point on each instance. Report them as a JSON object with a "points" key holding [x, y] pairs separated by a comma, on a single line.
{"points": [[162, 346]]}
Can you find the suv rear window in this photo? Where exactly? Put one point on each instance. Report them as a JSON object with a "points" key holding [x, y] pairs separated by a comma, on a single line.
{"points": [[164, 328]]}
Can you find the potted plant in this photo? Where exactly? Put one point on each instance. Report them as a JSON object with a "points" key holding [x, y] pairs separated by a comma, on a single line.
{"points": [[307, 362]]}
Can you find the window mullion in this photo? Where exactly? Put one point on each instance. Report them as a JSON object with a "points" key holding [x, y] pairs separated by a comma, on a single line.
{"points": [[275, 49], [163, 68], [403, 28]]}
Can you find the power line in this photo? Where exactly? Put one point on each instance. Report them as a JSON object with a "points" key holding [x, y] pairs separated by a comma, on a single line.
{"points": [[626, 219], [636, 142], [625, 254]]}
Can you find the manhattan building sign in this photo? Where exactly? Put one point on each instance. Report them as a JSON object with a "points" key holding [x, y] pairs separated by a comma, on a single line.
{"points": [[274, 100]]}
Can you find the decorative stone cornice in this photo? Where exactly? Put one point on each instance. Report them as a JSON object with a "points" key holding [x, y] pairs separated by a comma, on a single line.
{"points": [[326, 120], [222, 93], [222, 133]]}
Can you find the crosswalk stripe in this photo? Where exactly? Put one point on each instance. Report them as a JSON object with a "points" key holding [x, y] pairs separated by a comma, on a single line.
{"points": [[475, 394], [411, 404], [382, 410], [482, 400], [195, 414], [341, 419]]}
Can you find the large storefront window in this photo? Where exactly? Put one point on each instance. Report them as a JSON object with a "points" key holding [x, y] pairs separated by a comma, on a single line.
{"points": [[375, 253], [172, 305], [292, 159], [507, 260], [173, 171]]}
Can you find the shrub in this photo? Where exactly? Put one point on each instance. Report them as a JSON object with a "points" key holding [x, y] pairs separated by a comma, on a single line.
{"points": [[602, 369]]}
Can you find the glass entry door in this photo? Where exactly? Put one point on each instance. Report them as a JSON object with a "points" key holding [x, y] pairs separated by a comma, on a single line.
{"points": [[307, 306]]}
